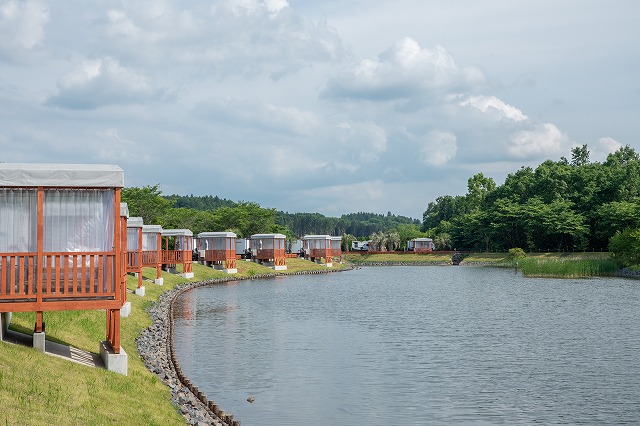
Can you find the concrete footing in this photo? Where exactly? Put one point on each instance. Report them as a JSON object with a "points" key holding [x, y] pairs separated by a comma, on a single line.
{"points": [[125, 310], [140, 291], [187, 275], [159, 281], [39, 341], [280, 268], [5, 320], [117, 363], [329, 265], [231, 271]]}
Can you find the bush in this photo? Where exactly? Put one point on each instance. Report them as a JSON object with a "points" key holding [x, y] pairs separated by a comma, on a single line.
{"points": [[625, 247], [516, 253]]}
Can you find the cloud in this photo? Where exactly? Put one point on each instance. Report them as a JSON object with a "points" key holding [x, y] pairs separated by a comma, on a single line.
{"points": [[438, 148], [93, 83], [543, 141], [21, 27], [405, 70], [230, 37], [493, 107], [603, 147], [260, 116], [363, 143]]}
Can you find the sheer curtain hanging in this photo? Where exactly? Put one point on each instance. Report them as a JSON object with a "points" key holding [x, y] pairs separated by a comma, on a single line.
{"points": [[18, 220], [149, 241], [78, 220], [132, 239]]}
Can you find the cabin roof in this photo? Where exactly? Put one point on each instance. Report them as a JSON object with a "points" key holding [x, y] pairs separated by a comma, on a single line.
{"points": [[61, 175], [216, 234], [157, 229], [422, 239], [316, 237], [258, 236], [124, 210], [177, 233], [135, 222]]}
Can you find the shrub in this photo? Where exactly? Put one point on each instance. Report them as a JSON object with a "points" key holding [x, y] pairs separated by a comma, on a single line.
{"points": [[516, 253]]}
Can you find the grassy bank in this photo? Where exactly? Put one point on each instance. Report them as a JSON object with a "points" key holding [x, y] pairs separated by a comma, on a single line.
{"points": [[567, 268], [357, 258], [38, 389]]}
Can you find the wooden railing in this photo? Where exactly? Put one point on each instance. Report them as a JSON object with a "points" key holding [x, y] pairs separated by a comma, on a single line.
{"points": [[219, 255], [59, 277], [150, 258], [270, 254], [174, 256], [134, 261]]}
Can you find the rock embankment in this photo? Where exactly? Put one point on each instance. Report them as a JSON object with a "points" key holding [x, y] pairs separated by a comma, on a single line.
{"points": [[155, 346], [629, 273], [384, 263]]}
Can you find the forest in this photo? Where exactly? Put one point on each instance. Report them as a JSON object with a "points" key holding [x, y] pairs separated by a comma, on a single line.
{"points": [[565, 205]]}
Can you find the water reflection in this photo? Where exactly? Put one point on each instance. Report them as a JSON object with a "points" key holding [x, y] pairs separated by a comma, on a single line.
{"points": [[415, 345]]}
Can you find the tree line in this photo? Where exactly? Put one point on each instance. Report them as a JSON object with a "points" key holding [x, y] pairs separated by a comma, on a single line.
{"points": [[209, 213], [563, 205]]}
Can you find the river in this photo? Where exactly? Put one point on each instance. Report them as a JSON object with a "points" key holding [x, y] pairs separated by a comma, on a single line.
{"points": [[415, 345]]}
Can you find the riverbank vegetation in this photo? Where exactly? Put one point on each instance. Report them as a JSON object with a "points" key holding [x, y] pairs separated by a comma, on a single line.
{"points": [[37, 389], [566, 268], [566, 205]]}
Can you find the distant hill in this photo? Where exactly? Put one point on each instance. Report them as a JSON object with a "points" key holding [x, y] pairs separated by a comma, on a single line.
{"points": [[359, 224], [205, 203]]}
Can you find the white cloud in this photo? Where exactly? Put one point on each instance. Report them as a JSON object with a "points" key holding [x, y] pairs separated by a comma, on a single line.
{"points": [[494, 107], [543, 141], [405, 70], [603, 147], [93, 83], [365, 141], [256, 115], [438, 148], [21, 26]]}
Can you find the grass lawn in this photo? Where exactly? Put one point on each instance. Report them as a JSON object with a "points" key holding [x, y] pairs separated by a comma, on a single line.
{"points": [[394, 257], [39, 389]]}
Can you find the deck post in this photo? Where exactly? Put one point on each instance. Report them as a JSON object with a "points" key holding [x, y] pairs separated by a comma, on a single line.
{"points": [[38, 333], [5, 320]]}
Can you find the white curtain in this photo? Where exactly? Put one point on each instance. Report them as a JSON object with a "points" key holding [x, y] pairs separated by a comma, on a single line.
{"points": [[78, 220], [132, 239], [18, 220], [149, 241]]}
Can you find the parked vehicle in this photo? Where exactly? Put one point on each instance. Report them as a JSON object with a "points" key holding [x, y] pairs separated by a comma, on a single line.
{"points": [[360, 245]]}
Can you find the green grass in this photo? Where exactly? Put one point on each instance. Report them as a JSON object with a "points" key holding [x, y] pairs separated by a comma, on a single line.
{"points": [[566, 267], [38, 389], [394, 257]]}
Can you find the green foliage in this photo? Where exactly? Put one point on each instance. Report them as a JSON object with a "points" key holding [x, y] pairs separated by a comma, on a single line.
{"points": [[516, 253], [567, 268], [360, 225], [146, 202], [625, 247], [443, 241], [558, 206]]}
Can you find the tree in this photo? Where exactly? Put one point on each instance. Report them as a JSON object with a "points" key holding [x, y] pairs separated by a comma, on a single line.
{"points": [[442, 241], [579, 156], [146, 202], [625, 247]]}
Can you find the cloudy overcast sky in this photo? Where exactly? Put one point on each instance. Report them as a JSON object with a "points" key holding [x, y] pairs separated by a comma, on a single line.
{"points": [[317, 106]]}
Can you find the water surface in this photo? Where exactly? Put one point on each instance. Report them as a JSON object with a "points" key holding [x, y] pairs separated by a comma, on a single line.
{"points": [[415, 345]]}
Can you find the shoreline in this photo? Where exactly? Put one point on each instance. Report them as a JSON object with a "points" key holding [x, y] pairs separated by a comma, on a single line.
{"points": [[155, 347]]}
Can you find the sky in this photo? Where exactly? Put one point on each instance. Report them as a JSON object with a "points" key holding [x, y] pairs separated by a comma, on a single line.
{"points": [[317, 106]]}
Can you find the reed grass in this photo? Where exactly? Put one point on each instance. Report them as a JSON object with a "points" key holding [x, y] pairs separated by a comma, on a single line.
{"points": [[566, 268]]}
